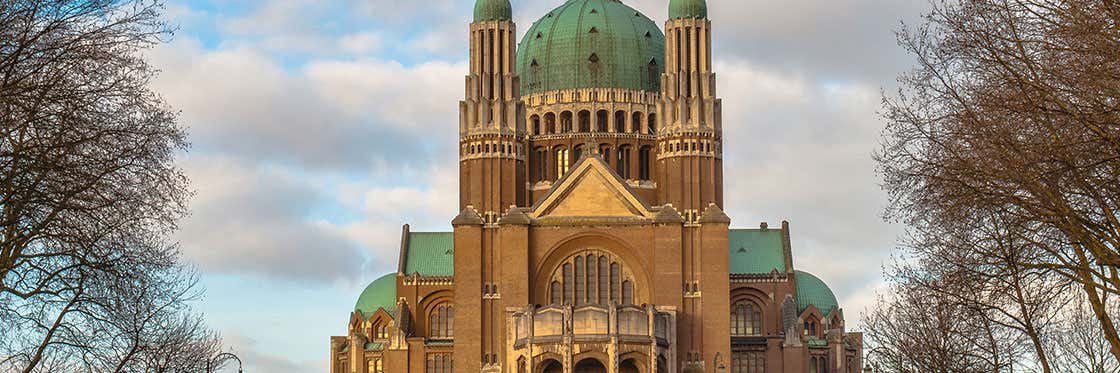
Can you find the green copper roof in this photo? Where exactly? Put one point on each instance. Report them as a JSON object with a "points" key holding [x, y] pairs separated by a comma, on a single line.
{"points": [[756, 250], [381, 293], [430, 254], [688, 9], [492, 10], [591, 44], [811, 290]]}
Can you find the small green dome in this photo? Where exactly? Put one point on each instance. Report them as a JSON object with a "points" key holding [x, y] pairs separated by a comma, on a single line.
{"points": [[811, 290], [381, 293], [492, 10], [688, 9], [591, 44]]}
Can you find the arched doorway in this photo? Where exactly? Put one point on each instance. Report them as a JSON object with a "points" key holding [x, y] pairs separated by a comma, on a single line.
{"points": [[589, 366], [551, 366], [629, 366]]}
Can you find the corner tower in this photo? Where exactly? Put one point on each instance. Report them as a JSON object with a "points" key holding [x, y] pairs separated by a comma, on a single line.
{"points": [[690, 137], [491, 116]]}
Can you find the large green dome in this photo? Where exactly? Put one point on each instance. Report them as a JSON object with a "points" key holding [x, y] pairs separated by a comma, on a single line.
{"points": [[591, 44], [811, 290], [381, 293]]}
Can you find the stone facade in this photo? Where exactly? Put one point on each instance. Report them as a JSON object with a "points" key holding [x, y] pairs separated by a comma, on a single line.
{"points": [[592, 236]]}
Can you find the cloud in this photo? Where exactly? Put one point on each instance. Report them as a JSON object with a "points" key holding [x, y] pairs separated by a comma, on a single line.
{"points": [[327, 115], [260, 358], [252, 220], [799, 148]]}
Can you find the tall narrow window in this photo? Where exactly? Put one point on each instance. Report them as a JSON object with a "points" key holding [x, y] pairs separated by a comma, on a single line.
{"points": [[644, 163], [604, 282], [580, 286], [591, 279], [557, 296], [623, 166], [652, 124], [627, 292], [561, 162], [568, 283], [620, 121], [615, 283]]}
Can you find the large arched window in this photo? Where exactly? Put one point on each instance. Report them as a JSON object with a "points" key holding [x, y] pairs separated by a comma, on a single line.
{"points": [[746, 319], [584, 121], [441, 322], [620, 121], [592, 277], [536, 123]]}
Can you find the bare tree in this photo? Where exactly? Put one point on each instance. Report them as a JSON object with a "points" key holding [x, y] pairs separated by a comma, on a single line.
{"points": [[912, 329], [89, 194], [1079, 345], [1013, 115]]}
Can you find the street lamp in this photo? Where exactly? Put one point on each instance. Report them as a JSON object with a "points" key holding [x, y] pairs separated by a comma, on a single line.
{"points": [[220, 358]]}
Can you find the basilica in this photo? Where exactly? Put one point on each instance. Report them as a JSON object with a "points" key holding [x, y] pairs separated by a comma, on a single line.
{"points": [[592, 236]]}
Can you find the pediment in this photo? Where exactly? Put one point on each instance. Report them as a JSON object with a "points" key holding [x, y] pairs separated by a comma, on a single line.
{"points": [[590, 189]]}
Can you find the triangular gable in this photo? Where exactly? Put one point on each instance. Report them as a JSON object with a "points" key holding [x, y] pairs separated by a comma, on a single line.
{"points": [[591, 189]]}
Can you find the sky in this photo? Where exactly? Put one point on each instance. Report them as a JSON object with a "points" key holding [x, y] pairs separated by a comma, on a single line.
{"points": [[318, 128]]}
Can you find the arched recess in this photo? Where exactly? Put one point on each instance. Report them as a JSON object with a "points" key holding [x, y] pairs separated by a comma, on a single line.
{"points": [[566, 122], [770, 320], [620, 121], [439, 304], [550, 123], [590, 362], [535, 123], [550, 366], [584, 242], [542, 360], [633, 362], [584, 121]]}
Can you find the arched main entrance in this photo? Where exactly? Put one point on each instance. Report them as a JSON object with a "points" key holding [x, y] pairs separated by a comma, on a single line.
{"points": [[551, 366], [589, 366], [628, 366]]}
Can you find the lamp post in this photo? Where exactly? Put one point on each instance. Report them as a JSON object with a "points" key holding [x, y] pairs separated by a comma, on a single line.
{"points": [[220, 358]]}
